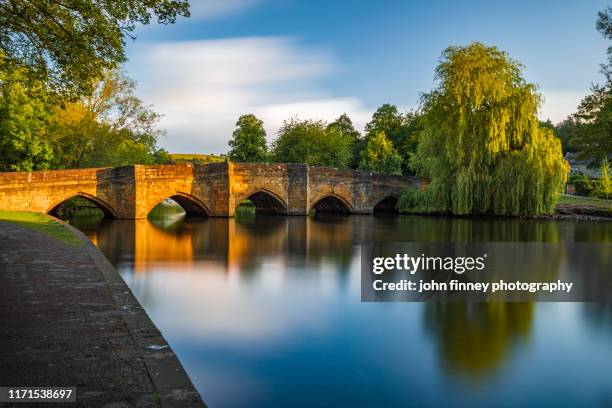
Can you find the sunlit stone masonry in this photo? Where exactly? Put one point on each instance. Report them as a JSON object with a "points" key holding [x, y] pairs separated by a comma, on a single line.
{"points": [[216, 189]]}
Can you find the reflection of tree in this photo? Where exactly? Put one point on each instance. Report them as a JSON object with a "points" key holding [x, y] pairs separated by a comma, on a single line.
{"points": [[453, 229], [593, 232], [116, 239], [87, 223], [170, 225], [474, 338]]}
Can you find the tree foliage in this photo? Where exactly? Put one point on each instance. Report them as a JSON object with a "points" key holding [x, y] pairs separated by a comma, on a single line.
{"points": [[68, 43], [388, 119], [402, 130], [312, 142], [482, 144], [380, 156], [24, 111], [589, 131], [248, 142], [344, 125], [583, 184], [109, 127], [604, 184], [593, 124], [566, 132]]}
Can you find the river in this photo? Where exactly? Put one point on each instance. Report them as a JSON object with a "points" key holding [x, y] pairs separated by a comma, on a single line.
{"points": [[265, 311]]}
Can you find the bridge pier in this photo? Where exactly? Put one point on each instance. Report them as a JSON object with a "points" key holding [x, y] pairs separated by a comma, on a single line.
{"points": [[216, 189]]}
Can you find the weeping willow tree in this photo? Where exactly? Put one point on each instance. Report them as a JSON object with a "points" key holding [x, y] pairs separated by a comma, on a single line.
{"points": [[482, 146]]}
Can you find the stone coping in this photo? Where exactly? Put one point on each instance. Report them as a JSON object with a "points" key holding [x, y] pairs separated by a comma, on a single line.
{"points": [[169, 378]]}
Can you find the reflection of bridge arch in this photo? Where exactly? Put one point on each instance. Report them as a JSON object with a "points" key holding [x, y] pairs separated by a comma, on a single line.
{"points": [[386, 205], [192, 206], [266, 200], [332, 203], [108, 211]]}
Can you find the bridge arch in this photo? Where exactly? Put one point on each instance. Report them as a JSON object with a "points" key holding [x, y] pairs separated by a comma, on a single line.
{"points": [[106, 208], [192, 206], [387, 205], [266, 201], [332, 203]]}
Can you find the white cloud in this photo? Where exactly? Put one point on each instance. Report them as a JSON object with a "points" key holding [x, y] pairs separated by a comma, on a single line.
{"points": [[559, 104], [202, 87], [326, 109]]}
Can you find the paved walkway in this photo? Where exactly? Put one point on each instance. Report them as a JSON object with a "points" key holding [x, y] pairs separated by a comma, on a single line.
{"points": [[68, 319]]}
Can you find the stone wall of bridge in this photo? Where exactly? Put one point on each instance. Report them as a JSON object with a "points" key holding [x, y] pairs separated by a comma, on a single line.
{"points": [[112, 189], [214, 189], [201, 190]]}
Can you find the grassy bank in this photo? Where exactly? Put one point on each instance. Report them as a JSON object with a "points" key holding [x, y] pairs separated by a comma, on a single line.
{"points": [[584, 201], [43, 224], [197, 158], [576, 206]]}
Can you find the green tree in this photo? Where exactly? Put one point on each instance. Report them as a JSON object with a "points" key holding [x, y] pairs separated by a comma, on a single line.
{"points": [[604, 184], [388, 119], [24, 113], [547, 124], [582, 183], [482, 145], [566, 132], [312, 142], [248, 142], [68, 43], [109, 127], [592, 130], [402, 129], [380, 156], [344, 125], [593, 125]]}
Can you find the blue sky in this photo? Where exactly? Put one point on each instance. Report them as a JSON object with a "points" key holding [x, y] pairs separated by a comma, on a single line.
{"points": [[318, 59]]}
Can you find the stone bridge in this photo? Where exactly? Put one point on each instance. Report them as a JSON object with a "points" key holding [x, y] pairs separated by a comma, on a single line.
{"points": [[131, 192]]}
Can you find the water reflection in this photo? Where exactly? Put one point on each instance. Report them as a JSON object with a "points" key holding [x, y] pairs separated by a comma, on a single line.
{"points": [[475, 338], [263, 308]]}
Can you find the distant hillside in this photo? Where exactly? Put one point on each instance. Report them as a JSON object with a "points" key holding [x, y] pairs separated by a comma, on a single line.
{"points": [[197, 158]]}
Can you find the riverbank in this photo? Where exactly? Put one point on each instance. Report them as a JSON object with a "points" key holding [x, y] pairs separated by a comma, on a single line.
{"points": [[68, 319], [585, 208]]}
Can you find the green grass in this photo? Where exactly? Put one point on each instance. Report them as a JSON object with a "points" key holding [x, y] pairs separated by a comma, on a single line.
{"points": [[584, 201], [42, 223], [197, 158], [246, 209], [164, 210]]}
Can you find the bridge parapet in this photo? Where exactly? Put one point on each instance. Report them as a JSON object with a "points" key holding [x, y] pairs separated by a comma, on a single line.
{"points": [[214, 189]]}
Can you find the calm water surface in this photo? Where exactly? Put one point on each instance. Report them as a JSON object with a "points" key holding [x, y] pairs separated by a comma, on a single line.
{"points": [[265, 311]]}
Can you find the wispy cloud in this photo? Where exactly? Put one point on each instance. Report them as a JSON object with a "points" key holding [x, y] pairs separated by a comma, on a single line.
{"points": [[201, 87]]}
